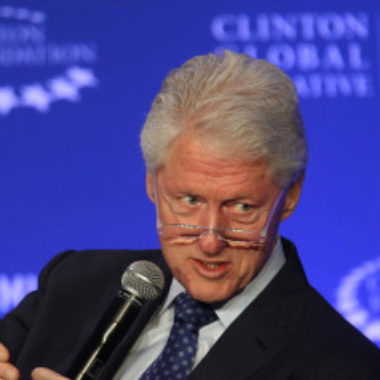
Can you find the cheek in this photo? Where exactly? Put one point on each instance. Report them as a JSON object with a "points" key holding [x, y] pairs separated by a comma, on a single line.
{"points": [[176, 261], [248, 265]]}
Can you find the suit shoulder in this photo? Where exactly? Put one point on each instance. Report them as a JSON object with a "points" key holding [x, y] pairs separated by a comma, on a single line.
{"points": [[94, 263], [70, 257], [335, 336]]}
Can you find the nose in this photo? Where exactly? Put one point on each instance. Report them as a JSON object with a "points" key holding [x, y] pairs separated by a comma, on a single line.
{"points": [[211, 242]]}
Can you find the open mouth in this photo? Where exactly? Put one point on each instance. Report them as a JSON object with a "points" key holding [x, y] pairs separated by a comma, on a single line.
{"points": [[211, 265], [208, 266]]}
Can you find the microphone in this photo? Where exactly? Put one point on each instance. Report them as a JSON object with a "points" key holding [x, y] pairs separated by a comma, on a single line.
{"points": [[141, 282]]}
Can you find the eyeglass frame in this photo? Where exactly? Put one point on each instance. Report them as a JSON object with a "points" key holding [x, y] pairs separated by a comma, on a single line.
{"points": [[217, 231]]}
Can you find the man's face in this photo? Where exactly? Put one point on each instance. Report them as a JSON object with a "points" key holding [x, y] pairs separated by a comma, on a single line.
{"points": [[208, 190]]}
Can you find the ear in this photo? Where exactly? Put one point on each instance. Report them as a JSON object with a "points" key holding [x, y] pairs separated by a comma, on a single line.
{"points": [[292, 197], [150, 186]]}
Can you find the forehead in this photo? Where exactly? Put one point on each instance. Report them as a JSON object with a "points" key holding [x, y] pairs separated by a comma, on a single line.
{"points": [[195, 164]]}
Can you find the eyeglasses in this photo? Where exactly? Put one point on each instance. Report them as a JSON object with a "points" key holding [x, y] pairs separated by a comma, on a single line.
{"points": [[179, 232]]}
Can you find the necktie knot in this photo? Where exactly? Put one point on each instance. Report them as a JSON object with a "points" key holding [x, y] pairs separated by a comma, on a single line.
{"points": [[177, 358], [191, 311]]}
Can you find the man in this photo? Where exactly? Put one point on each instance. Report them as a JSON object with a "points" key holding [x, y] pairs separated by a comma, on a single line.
{"points": [[225, 152]]}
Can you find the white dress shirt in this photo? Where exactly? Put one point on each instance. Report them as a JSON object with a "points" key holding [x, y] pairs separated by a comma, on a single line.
{"points": [[153, 338]]}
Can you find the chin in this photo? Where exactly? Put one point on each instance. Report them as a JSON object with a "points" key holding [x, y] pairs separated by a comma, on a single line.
{"points": [[208, 296]]}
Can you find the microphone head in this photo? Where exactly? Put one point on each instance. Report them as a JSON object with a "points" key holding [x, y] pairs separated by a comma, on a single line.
{"points": [[144, 279]]}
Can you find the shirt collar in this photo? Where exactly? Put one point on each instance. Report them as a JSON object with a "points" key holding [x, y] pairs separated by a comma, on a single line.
{"points": [[236, 305]]}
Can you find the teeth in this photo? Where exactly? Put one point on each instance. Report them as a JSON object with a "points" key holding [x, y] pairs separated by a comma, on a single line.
{"points": [[211, 265]]}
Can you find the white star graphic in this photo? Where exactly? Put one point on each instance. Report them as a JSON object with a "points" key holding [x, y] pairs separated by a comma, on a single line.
{"points": [[82, 77], [61, 88], [6, 11], [37, 97], [8, 100], [37, 17]]}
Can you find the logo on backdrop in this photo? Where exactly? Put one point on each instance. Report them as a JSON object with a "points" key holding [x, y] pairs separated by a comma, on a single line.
{"points": [[40, 71], [327, 55], [358, 298], [14, 288]]}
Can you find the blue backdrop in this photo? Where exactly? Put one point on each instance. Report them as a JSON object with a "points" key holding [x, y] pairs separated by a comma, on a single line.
{"points": [[76, 82]]}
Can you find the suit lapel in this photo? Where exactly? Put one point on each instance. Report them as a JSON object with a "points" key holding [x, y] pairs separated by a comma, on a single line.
{"points": [[262, 330]]}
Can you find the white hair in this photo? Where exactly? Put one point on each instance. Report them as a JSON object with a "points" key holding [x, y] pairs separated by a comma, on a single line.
{"points": [[246, 106]]}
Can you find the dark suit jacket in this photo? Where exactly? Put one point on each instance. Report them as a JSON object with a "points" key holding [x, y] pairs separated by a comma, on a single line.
{"points": [[288, 332]]}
